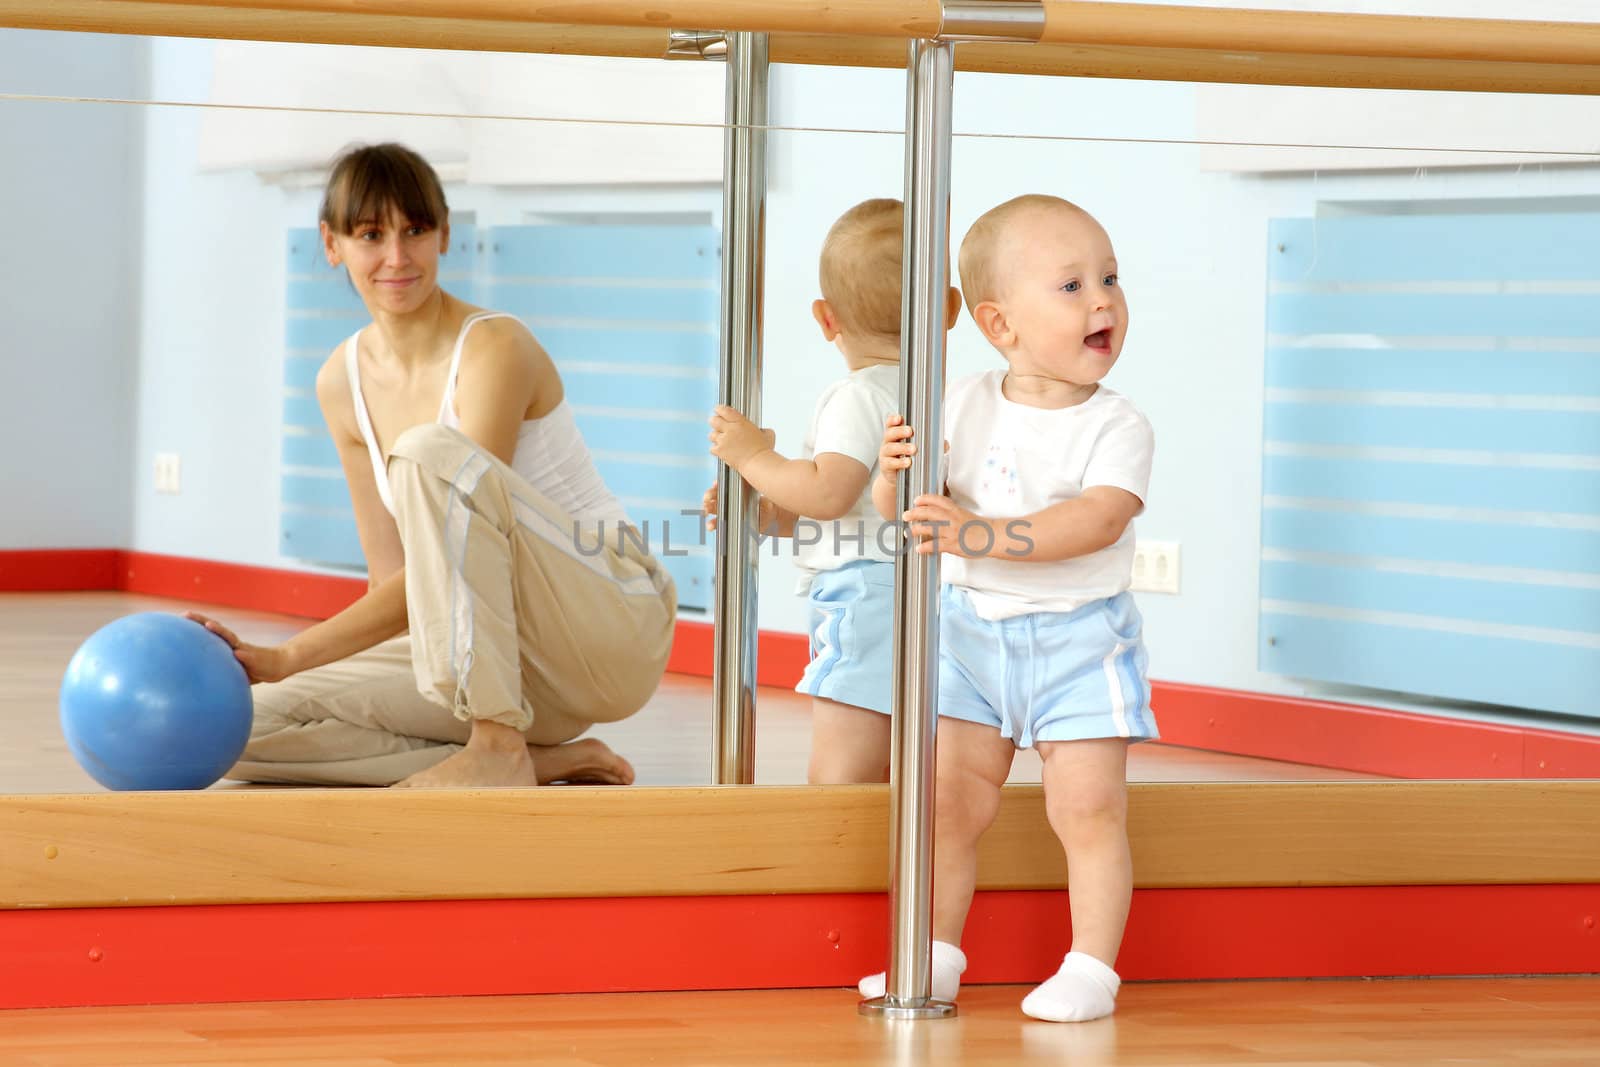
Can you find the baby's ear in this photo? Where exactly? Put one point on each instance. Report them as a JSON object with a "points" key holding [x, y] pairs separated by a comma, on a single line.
{"points": [[992, 322], [822, 311], [952, 308]]}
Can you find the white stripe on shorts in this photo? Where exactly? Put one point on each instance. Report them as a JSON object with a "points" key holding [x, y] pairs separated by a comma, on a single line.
{"points": [[1119, 708]]}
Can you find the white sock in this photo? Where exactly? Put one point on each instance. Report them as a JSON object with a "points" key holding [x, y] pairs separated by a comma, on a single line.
{"points": [[948, 964], [1083, 989]]}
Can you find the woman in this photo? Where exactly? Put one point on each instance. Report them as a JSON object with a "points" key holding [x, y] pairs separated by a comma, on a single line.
{"points": [[472, 488]]}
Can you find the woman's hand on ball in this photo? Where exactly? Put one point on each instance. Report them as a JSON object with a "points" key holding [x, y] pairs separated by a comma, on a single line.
{"points": [[261, 663]]}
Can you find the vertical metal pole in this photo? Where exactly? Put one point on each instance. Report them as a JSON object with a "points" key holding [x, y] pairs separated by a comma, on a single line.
{"points": [[744, 217], [929, 85]]}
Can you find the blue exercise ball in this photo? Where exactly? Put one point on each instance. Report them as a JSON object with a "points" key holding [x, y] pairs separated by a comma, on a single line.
{"points": [[155, 701]]}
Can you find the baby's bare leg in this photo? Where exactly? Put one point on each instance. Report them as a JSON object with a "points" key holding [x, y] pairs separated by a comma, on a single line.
{"points": [[1086, 798], [848, 744], [973, 762]]}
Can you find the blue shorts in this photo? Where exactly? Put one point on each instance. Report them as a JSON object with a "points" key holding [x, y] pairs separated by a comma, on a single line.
{"points": [[852, 636], [1049, 676]]}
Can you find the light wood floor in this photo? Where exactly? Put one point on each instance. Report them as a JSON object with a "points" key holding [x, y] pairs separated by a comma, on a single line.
{"points": [[669, 742], [1402, 1023]]}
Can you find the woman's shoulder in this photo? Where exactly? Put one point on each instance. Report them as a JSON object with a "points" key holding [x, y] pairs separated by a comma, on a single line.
{"points": [[499, 337], [490, 330], [334, 393], [500, 357], [333, 377]]}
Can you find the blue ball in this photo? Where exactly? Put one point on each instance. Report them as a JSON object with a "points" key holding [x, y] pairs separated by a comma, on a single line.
{"points": [[155, 701]]}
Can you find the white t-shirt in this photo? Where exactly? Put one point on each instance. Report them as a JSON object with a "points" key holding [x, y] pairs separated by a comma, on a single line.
{"points": [[849, 420], [1008, 459]]}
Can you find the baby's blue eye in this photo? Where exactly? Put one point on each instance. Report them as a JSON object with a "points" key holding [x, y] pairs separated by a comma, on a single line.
{"points": [[1072, 287], [1111, 279]]}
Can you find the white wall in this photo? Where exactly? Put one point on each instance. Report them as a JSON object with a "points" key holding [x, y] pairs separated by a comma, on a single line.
{"points": [[69, 185], [210, 335]]}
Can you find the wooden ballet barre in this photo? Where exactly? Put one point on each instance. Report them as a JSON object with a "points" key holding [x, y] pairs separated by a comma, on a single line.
{"points": [[1189, 65], [239, 22], [1412, 37], [1073, 22], [1110, 41]]}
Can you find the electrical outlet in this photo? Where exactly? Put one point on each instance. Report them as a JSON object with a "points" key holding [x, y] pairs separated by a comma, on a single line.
{"points": [[1155, 566], [168, 473]]}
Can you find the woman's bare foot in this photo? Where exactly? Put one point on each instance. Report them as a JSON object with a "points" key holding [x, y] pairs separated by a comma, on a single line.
{"points": [[497, 755], [476, 768], [586, 762]]}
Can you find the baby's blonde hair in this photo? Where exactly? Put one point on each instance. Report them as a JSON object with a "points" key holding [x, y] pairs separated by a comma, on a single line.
{"points": [[860, 267], [983, 249]]}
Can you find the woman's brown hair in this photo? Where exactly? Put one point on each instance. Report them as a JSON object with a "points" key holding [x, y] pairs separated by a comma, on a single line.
{"points": [[367, 181]]}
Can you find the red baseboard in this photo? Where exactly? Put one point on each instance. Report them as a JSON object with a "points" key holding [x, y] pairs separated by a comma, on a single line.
{"points": [[234, 953], [1321, 733], [780, 657], [48, 570], [1398, 744], [234, 585]]}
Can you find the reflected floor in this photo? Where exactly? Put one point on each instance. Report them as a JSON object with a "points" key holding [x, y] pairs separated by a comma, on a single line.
{"points": [[668, 742]]}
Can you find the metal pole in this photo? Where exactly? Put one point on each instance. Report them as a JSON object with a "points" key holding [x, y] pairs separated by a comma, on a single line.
{"points": [[929, 84], [744, 216]]}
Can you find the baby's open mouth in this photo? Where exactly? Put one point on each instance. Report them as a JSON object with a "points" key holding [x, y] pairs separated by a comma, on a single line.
{"points": [[1100, 341]]}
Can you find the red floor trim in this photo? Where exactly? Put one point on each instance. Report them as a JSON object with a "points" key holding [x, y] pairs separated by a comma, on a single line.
{"points": [[233, 953], [235, 585], [1374, 740], [50, 570], [780, 657], [311, 596], [1321, 733]]}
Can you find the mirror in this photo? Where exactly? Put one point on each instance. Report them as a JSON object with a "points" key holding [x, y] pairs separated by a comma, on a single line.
{"points": [[1370, 369]]}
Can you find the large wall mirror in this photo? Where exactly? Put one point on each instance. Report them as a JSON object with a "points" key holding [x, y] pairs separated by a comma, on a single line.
{"points": [[1363, 327]]}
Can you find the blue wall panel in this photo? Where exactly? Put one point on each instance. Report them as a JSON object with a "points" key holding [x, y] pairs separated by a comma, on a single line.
{"points": [[1459, 485], [315, 520], [1439, 371], [1431, 521], [1435, 248], [1463, 541], [1451, 429], [1459, 666]]}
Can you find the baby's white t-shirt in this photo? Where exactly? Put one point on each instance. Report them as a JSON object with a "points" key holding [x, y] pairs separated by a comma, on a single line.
{"points": [[849, 419], [1008, 459]]}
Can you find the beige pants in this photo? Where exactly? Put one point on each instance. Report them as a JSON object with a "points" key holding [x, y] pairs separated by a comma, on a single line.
{"points": [[515, 616]]}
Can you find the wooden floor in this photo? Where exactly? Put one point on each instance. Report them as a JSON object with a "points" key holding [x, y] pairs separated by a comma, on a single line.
{"points": [[669, 742], [1402, 1023]]}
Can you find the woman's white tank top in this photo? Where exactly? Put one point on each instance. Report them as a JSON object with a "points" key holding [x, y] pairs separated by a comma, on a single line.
{"points": [[551, 455]]}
